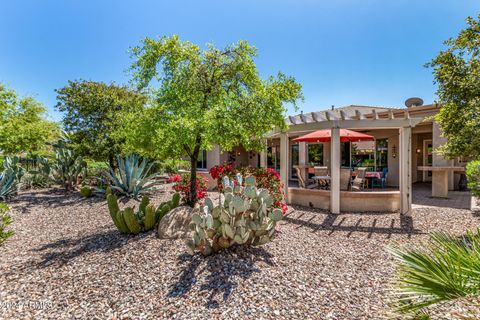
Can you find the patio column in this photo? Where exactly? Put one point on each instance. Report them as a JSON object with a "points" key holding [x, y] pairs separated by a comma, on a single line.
{"points": [[284, 162], [263, 156], [335, 171], [405, 170]]}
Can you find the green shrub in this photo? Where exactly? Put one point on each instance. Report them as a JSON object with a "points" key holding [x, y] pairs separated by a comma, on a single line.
{"points": [[86, 191], [145, 219], [33, 180], [5, 220], [96, 168], [174, 165], [473, 177]]}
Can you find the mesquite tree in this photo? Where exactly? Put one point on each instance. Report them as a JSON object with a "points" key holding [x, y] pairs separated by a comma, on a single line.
{"points": [[207, 97]]}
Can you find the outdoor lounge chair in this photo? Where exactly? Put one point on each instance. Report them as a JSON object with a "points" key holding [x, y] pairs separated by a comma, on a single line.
{"points": [[345, 176], [321, 172], [304, 182], [359, 180]]}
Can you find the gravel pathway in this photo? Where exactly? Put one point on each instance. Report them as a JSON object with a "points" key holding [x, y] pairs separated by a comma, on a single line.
{"points": [[67, 261]]}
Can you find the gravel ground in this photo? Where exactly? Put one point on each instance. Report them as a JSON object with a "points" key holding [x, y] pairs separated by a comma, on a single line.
{"points": [[67, 260]]}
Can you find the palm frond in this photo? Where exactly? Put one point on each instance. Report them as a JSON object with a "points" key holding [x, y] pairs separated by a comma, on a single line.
{"points": [[447, 268]]}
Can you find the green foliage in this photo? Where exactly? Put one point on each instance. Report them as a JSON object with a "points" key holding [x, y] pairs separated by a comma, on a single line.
{"points": [[473, 177], [204, 98], [67, 166], [174, 165], [5, 220], [145, 219], [447, 268], [92, 112], [8, 184], [245, 216], [23, 127], [133, 177], [35, 180], [457, 73], [13, 164]]}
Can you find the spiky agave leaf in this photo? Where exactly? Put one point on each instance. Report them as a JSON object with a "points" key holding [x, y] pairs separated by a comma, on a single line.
{"points": [[132, 178], [447, 268], [8, 184]]}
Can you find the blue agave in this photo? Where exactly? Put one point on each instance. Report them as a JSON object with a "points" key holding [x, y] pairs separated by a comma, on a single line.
{"points": [[132, 178]]}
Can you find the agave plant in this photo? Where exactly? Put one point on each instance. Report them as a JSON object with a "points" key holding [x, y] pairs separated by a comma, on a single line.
{"points": [[66, 166], [132, 178], [8, 184], [448, 268], [13, 164]]}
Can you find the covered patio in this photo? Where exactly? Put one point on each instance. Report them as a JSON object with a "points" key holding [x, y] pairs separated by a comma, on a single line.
{"points": [[335, 197]]}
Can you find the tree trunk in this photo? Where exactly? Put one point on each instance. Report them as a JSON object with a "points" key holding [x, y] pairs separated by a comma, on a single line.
{"points": [[193, 172], [111, 161], [193, 180]]}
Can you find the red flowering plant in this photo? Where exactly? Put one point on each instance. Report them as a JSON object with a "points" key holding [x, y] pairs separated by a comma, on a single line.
{"points": [[265, 178], [181, 184]]}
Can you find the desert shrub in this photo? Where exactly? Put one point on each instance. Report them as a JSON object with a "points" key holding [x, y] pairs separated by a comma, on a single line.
{"points": [[5, 220], [86, 191], [266, 178], [181, 184], [132, 178], [473, 177], [33, 180], [130, 222], [96, 168], [244, 216]]}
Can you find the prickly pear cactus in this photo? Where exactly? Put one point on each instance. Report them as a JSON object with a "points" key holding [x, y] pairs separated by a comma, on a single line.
{"points": [[145, 219], [243, 216]]}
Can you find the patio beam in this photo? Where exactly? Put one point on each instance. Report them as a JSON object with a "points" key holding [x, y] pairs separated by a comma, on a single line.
{"points": [[335, 170], [405, 173], [284, 155]]}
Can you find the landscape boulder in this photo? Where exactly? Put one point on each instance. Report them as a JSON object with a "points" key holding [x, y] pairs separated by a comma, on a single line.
{"points": [[174, 225]]}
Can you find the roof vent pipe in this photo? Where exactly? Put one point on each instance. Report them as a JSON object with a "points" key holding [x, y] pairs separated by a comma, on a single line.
{"points": [[413, 102]]}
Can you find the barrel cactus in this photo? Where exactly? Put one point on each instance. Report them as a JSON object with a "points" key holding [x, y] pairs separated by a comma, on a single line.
{"points": [[130, 222], [243, 216]]}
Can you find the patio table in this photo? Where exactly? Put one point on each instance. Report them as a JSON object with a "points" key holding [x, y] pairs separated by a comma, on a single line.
{"points": [[370, 174]]}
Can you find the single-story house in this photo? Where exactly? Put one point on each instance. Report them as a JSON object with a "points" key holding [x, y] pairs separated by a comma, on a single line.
{"points": [[402, 152]]}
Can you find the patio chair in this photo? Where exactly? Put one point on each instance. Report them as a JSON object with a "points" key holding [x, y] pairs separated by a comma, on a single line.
{"points": [[345, 177], [382, 182], [359, 181], [304, 182], [322, 172]]}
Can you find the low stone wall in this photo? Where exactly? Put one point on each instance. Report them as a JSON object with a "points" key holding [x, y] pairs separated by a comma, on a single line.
{"points": [[381, 201]]}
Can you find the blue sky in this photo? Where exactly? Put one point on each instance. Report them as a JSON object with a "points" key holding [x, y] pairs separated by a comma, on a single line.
{"points": [[343, 52]]}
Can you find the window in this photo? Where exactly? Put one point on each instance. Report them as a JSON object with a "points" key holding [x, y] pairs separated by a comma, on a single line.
{"points": [[382, 154], [273, 158], [202, 160], [363, 154], [294, 161], [315, 154]]}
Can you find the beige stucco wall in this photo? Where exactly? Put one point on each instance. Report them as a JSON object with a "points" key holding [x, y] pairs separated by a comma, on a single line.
{"points": [[386, 201]]}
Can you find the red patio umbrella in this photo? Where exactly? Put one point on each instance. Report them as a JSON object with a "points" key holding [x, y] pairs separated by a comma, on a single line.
{"points": [[325, 136]]}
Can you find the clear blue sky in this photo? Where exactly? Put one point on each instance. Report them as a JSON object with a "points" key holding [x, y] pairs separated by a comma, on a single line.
{"points": [[343, 52]]}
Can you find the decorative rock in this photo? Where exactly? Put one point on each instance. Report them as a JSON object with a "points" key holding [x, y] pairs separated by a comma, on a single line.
{"points": [[175, 223]]}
